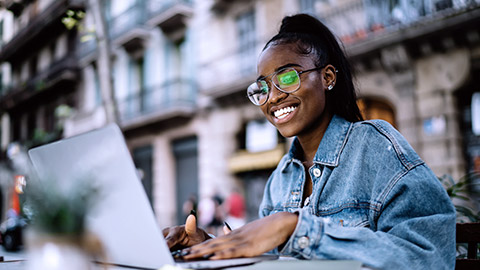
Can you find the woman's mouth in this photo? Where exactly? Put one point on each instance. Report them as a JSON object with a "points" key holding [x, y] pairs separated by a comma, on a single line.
{"points": [[283, 112]]}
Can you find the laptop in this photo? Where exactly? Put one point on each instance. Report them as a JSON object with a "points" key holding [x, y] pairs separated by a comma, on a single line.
{"points": [[122, 218]]}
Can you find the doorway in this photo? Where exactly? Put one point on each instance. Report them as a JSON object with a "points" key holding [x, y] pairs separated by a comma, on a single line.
{"points": [[143, 159], [186, 168]]}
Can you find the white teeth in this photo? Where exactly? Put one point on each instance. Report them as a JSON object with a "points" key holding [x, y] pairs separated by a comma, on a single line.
{"points": [[282, 113]]}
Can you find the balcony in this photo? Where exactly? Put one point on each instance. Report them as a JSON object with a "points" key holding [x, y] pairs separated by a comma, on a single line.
{"points": [[127, 28], [40, 30], [230, 73], [86, 47], [59, 79], [15, 6], [166, 103], [222, 6], [170, 15], [367, 25]]}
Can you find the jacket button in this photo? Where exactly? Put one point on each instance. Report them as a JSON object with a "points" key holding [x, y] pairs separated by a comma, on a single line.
{"points": [[303, 242], [317, 172]]}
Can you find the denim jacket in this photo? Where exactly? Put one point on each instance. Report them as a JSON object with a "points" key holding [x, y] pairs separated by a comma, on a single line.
{"points": [[373, 200]]}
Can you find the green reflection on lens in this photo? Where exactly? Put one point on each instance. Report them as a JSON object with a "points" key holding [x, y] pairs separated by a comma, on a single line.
{"points": [[264, 87], [288, 78]]}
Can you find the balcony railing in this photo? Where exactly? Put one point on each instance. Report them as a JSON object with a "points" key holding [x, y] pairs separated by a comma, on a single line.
{"points": [[133, 17], [230, 72], [356, 20], [171, 16], [4, 89], [155, 7], [157, 99], [39, 30], [86, 46], [59, 76]]}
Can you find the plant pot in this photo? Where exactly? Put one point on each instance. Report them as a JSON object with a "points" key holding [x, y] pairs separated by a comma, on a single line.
{"points": [[56, 252]]}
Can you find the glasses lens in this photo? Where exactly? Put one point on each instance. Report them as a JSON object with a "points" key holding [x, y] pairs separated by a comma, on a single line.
{"points": [[287, 80], [258, 92]]}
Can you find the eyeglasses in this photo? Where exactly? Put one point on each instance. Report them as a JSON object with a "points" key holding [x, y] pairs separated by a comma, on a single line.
{"points": [[286, 80]]}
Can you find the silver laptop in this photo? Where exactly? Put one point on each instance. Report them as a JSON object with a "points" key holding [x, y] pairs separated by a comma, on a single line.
{"points": [[122, 218]]}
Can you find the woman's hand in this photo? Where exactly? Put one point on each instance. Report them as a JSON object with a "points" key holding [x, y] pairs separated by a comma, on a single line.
{"points": [[179, 237], [254, 238]]}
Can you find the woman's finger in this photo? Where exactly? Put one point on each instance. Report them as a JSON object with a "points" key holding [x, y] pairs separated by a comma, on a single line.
{"points": [[172, 239], [226, 228], [191, 225], [227, 253]]}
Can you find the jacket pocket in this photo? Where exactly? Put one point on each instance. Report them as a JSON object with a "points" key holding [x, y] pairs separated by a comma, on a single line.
{"points": [[346, 216]]}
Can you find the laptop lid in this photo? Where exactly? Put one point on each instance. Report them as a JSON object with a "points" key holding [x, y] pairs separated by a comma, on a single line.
{"points": [[122, 218]]}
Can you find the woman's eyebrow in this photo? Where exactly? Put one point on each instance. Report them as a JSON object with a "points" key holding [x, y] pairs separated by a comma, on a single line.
{"points": [[287, 66], [280, 68]]}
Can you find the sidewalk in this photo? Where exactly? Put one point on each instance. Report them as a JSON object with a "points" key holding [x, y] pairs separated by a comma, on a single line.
{"points": [[11, 256], [8, 256]]}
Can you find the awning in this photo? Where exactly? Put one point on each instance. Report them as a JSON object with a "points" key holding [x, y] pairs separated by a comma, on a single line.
{"points": [[244, 161]]}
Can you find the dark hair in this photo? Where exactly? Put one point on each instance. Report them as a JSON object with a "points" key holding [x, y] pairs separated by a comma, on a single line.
{"points": [[313, 37]]}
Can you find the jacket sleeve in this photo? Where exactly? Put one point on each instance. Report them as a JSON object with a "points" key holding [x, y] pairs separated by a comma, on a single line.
{"points": [[415, 229]]}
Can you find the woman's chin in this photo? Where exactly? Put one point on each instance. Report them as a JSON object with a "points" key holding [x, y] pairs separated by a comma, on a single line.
{"points": [[287, 133]]}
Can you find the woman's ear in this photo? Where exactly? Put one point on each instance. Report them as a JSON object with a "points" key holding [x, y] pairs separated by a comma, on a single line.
{"points": [[330, 76]]}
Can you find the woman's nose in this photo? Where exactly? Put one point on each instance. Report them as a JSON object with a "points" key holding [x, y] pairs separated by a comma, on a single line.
{"points": [[275, 94]]}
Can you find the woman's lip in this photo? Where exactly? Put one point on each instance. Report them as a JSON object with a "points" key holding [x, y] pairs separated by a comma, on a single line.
{"points": [[279, 107], [286, 118]]}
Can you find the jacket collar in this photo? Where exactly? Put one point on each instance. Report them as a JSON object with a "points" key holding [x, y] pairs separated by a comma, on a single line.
{"points": [[332, 143]]}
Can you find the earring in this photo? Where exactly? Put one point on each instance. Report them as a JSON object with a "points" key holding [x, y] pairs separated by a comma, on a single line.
{"points": [[330, 87]]}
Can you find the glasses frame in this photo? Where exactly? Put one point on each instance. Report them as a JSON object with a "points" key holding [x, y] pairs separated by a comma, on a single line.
{"points": [[281, 90]]}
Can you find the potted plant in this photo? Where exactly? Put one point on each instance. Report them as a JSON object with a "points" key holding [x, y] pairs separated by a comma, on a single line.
{"points": [[57, 237]]}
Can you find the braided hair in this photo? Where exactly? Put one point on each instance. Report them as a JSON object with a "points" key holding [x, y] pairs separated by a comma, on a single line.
{"points": [[314, 38]]}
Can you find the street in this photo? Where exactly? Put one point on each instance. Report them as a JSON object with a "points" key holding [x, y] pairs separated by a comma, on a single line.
{"points": [[9, 256]]}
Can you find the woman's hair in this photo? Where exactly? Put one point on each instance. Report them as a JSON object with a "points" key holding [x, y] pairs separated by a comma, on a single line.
{"points": [[314, 38]]}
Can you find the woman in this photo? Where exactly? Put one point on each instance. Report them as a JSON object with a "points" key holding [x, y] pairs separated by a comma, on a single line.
{"points": [[347, 189]]}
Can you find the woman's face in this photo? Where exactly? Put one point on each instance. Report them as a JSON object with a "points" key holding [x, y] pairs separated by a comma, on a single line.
{"points": [[304, 110]]}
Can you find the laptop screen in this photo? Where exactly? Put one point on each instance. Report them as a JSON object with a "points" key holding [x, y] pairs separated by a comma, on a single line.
{"points": [[122, 217]]}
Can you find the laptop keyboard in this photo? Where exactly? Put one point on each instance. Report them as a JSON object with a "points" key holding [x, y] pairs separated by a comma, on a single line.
{"points": [[178, 257]]}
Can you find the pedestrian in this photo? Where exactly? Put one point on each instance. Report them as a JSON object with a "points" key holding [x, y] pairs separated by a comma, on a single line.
{"points": [[235, 208], [189, 205], [347, 189]]}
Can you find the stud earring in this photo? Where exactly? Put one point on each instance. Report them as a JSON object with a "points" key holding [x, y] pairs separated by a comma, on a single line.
{"points": [[330, 87]]}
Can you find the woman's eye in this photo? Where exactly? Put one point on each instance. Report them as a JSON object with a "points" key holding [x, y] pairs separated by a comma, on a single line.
{"points": [[288, 78], [264, 87]]}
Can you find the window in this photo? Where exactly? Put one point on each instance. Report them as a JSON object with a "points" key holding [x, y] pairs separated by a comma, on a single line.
{"points": [[469, 105], [260, 135], [246, 42], [382, 13], [143, 159], [49, 117], [307, 6], [32, 67], [53, 51], [1, 33], [475, 108], [31, 124], [107, 7], [372, 108], [16, 127], [442, 4], [135, 87], [98, 93], [185, 151]]}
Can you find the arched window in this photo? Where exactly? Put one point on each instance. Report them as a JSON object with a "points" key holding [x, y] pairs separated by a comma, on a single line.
{"points": [[374, 108]]}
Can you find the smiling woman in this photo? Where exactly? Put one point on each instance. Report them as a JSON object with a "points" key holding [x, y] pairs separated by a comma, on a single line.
{"points": [[347, 189]]}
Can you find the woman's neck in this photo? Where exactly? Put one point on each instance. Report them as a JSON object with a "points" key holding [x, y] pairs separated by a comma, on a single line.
{"points": [[311, 140]]}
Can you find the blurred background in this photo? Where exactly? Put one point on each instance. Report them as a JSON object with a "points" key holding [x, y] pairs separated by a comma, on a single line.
{"points": [[173, 75]]}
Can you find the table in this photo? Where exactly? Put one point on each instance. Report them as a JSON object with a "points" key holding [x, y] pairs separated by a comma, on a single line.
{"points": [[266, 265]]}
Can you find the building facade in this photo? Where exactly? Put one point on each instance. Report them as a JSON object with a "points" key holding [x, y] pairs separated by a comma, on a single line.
{"points": [[180, 69], [39, 73]]}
